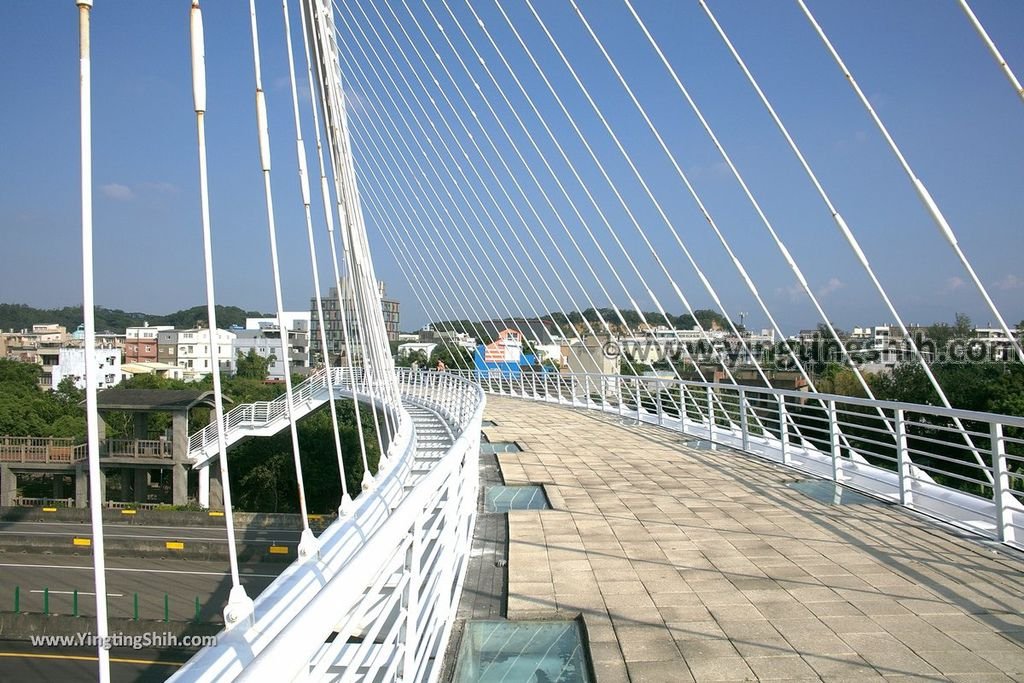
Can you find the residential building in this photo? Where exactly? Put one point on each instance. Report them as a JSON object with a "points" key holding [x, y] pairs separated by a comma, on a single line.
{"points": [[590, 357], [141, 343], [997, 345], [152, 368], [71, 363], [167, 347], [190, 350], [263, 336], [407, 349], [334, 305], [504, 356]]}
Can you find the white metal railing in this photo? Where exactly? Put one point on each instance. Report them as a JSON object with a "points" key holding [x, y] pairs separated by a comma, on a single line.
{"points": [[308, 394], [910, 454], [379, 601]]}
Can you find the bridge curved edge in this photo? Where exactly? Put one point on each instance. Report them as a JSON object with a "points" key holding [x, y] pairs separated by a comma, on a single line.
{"points": [[388, 577]]}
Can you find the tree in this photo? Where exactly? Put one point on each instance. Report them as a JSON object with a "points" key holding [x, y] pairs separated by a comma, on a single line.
{"points": [[253, 366], [454, 357], [419, 357], [963, 327]]}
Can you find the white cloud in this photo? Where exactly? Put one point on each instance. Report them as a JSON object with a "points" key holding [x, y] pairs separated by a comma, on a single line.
{"points": [[121, 193], [794, 292], [1010, 282], [833, 285], [954, 283]]}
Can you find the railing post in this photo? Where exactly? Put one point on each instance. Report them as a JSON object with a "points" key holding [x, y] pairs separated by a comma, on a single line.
{"points": [[783, 430], [659, 406], [618, 395], [903, 460], [711, 414], [744, 426], [1001, 486], [833, 440], [411, 636], [639, 403], [682, 408]]}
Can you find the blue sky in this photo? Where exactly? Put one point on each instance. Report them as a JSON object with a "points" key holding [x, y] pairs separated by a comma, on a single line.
{"points": [[926, 72]]}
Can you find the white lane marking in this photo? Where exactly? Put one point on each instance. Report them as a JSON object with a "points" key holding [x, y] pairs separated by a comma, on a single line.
{"points": [[166, 536], [109, 595], [147, 526], [147, 571]]}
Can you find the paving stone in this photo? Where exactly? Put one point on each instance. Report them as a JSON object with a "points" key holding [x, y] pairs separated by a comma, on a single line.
{"points": [[776, 668], [707, 567]]}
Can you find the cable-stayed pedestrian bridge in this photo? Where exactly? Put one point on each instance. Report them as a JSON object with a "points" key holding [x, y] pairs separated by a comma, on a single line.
{"points": [[527, 168]]}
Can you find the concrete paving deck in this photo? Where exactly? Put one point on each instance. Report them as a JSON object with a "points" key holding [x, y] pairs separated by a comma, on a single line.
{"points": [[703, 565]]}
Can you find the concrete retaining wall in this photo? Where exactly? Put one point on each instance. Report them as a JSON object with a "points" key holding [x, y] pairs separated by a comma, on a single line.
{"points": [[172, 518], [13, 545]]}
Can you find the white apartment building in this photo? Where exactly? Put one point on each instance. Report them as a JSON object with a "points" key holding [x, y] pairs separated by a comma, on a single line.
{"points": [[263, 336], [190, 351], [71, 363]]}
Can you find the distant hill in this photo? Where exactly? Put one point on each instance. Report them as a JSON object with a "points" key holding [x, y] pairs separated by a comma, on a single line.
{"points": [[20, 316]]}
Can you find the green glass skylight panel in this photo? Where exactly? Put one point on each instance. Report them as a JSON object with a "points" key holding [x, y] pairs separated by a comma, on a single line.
{"points": [[831, 493], [505, 498], [522, 651], [500, 447]]}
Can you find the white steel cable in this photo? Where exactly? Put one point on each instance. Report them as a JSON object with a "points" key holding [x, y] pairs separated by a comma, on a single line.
{"points": [[526, 166], [89, 318], [331, 105], [745, 276], [543, 157], [384, 223], [614, 188], [367, 309], [329, 220], [458, 187], [590, 196], [448, 154], [346, 505], [239, 609], [308, 544], [657, 205], [462, 150], [841, 224], [486, 232], [922, 191], [990, 44]]}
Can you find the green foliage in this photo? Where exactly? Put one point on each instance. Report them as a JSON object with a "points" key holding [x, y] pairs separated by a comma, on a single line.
{"points": [[25, 410], [706, 317], [418, 357], [263, 471], [20, 316], [252, 365], [454, 357]]}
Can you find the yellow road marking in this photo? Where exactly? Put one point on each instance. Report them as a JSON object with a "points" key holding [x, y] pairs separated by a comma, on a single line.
{"points": [[81, 541], [49, 509], [127, 512], [175, 545], [88, 658], [278, 550], [216, 513]]}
